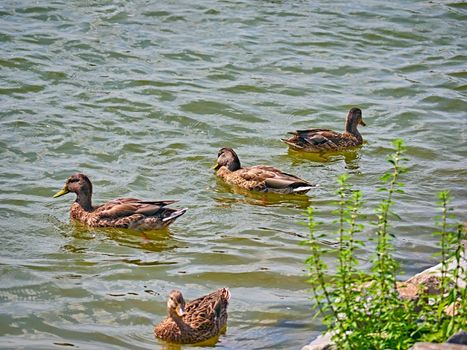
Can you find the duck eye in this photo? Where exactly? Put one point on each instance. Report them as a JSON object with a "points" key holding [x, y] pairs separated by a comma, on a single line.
{"points": [[74, 180]]}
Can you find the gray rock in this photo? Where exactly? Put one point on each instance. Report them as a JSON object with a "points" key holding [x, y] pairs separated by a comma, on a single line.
{"points": [[323, 342], [435, 346], [458, 338]]}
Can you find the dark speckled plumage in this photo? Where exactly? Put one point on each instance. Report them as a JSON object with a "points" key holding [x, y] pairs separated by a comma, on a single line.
{"points": [[323, 140], [261, 178], [130, 213], [198, 321]]}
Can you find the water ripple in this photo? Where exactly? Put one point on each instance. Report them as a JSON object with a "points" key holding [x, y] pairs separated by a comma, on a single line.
{"points": [[140, 96]]}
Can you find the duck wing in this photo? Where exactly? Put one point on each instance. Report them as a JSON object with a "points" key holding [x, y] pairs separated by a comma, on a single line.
{"points": [[122, 207], [318, 136], [314, 138], [276, 180], [206, 311]]}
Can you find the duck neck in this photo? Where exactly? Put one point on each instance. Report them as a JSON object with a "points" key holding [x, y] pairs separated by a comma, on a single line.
{"points": [[179, 321], [83, 198], [234, 165], [351, 128]]}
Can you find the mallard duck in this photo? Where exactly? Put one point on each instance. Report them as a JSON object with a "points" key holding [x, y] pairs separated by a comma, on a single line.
{"points": [[198, 321], [323, 140], [121, 212], [261, 178]]}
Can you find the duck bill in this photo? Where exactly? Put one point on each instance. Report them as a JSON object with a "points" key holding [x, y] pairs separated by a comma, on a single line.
{"points": [[362, 123], [179, 310], [63, 191], [216, 166]]}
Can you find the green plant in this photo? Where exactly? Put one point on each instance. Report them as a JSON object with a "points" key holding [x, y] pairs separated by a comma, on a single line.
{"points": [[364, 310], [443, 310]]}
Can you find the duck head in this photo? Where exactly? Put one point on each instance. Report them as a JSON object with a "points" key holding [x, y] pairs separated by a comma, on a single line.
{"points": [[354, 118], [228, 158], [81, 185], [176, 304]]}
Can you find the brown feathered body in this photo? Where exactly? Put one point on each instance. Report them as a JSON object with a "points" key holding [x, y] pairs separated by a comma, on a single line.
{"points": [[261, 178], [325, 140], [129, 213], [202, 318]]}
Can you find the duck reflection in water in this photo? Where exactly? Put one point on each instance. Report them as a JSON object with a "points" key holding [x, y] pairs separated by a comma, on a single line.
{"points": [[350, 157], [257, 198], [153, 240]]}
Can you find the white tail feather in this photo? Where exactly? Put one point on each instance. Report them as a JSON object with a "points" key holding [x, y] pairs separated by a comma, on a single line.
{"points": [[303, 188], [175, 214]]}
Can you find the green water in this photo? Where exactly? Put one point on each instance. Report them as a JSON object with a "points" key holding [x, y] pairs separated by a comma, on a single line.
{"points": [[140, 96]]}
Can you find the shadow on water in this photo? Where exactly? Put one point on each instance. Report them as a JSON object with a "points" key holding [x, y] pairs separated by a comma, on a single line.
{"points": [[210, 343], [151, 240], [350, 157], [301, 201], [155, 240]]}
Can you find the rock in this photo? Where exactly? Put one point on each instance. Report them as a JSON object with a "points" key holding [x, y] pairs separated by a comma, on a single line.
{"points": [[323, 342], [458, 338], [428, 280], [453, 309], [435, 346]]}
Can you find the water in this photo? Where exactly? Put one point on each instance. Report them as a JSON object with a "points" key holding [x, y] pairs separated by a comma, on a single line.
{"points": [[141, 95]]}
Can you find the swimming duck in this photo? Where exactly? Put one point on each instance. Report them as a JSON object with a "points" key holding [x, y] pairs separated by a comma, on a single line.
{"points": [[197, 321], [120, 213], [261, 178], [322, 140]]}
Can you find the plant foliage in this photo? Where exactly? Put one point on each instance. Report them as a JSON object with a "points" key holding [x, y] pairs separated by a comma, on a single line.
{"points": [[364, 310]]}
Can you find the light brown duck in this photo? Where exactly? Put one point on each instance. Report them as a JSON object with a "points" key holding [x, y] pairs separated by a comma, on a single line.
{"points": [[121, 212], [261, 178], [195, 322]]}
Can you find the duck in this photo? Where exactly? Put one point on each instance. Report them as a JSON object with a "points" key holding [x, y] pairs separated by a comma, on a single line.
{"points": [[262, 178], [131, 213], [199, 320], [325, 140]]}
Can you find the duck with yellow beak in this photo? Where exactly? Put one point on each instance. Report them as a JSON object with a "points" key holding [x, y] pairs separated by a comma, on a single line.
{"points": [[129, 213]]}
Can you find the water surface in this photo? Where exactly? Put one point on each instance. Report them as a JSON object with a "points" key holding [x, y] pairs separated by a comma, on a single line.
{"points": [[141, 95]]}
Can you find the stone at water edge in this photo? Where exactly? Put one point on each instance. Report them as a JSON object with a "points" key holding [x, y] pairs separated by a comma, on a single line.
{"points": [[435, 346], [458, 338], [323, 342]]}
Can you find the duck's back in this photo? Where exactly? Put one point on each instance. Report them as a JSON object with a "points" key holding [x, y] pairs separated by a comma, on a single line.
{"points": [[209, 310], [321, 140], [128, 213], [264, 178]]}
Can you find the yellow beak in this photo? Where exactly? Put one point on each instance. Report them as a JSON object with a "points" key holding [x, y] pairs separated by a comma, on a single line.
{"points": [[179, 310], [63, 191], [216, 166]]}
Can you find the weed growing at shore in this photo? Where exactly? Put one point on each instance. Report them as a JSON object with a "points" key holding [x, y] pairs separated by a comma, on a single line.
{"points": [[364, 310]]}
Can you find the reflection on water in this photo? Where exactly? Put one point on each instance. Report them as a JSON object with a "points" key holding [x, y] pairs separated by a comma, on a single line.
{"points": [[141, 98], [154, 240], [258, 198], [206, 344], [350, 157]]}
